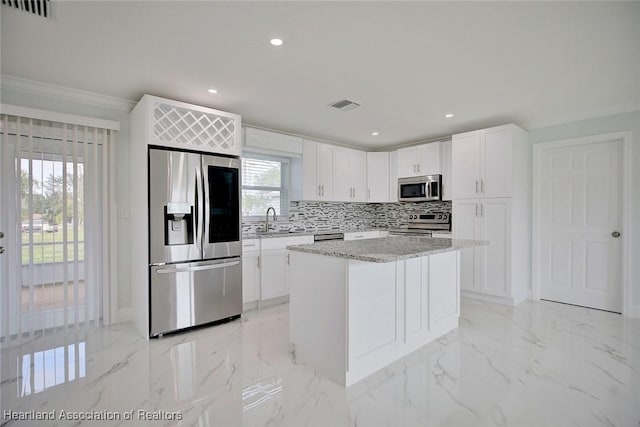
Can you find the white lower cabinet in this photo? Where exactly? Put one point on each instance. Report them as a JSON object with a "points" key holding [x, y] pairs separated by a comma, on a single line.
{"points": [[265, 267], [486, 270], [250, 270], [274, 274], [414, 301]]}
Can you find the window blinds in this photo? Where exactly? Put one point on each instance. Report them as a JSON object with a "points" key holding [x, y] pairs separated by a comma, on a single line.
{"points": [[54, 212]]}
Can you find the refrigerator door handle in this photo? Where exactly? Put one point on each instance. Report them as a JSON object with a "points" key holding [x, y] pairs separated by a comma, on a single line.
{"points": [[198, 268], [199, 212]]}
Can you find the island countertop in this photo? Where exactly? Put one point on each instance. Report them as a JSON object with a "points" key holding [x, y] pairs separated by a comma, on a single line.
{"points": [[386, 249]]}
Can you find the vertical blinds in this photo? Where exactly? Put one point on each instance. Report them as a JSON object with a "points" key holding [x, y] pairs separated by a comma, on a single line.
{"points": [[54, 211]]}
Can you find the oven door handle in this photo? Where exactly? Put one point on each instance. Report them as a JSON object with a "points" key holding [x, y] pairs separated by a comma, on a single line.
{"points": [[198, 268]]}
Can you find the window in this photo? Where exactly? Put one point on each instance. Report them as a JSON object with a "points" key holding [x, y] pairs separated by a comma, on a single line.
{"points": [[265, 183]]}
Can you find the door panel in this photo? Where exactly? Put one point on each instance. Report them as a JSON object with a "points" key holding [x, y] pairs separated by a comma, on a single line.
{"points": [[325, 171], [466, 158], [495, 220], [172, 182], [221, 236], [358, 175], [341, 176], [190, 294], [580, 208], [274, 274], [497, 163], [464, 227]]}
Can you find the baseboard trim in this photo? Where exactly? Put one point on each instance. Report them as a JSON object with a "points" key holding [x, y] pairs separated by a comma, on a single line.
{"points": [[488, 298], [633, 312], [124, 315]]}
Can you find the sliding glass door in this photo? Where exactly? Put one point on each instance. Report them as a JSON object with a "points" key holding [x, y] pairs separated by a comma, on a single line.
{"points": [[53, 178]]}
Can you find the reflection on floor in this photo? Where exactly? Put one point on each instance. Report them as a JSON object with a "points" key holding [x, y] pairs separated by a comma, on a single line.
{"points": [[538, 364]]}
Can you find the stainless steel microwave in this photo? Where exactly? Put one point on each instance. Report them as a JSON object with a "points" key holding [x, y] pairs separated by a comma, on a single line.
{"points": [[426, 188]]}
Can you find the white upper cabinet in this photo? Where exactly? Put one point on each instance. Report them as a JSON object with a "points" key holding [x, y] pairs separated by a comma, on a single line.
{"points": [[349, 175], [420, 160], [486, 163], [324, 171], [333, 173], [317, 171], [258, 140], [445, 157], [180, 125], [378, 180]]}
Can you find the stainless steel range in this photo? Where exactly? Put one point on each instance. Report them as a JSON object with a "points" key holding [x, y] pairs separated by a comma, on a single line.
{"points": [[423, 224]]}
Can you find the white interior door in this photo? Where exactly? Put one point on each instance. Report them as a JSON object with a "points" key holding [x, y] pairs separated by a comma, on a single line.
{"points": [[580, 222]]}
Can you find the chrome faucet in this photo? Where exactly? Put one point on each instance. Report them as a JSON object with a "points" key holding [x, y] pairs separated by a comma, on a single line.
{"points": [[266, 222]]}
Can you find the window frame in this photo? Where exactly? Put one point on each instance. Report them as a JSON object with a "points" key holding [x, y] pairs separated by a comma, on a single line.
{"points": [[285, 183]]}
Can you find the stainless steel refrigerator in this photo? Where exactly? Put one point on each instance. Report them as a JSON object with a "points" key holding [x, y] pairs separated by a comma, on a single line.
{"points": [[194, 239]]}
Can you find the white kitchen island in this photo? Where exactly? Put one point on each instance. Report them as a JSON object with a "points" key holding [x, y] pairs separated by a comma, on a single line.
{"points": [[357, 306]]}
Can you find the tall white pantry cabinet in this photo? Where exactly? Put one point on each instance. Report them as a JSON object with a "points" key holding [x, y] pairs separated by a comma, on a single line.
{"points": [[491, 192]]}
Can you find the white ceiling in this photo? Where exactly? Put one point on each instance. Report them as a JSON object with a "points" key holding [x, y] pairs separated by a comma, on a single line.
{"points": [[407, 63]]}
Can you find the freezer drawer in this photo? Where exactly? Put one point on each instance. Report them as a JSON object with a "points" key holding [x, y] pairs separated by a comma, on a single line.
{"points": [[191, 294]]}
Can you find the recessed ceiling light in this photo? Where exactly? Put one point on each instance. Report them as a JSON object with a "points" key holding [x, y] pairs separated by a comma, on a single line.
{"points": [[276, 42], [375, 133], [448, 116], [212, 91]]}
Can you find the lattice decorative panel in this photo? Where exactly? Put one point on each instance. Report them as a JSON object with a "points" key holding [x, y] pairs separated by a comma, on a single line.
{"points": [[193, 129]]}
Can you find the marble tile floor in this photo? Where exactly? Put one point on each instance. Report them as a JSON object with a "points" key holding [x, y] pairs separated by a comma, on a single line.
{"points": [[538, 364]]}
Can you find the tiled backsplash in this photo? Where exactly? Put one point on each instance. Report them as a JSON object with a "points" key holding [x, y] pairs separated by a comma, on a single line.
{"points": [[326, 216]]}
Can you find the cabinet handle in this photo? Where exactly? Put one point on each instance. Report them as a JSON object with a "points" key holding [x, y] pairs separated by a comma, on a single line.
{"points": [[318, 190], [323, 189], [482, 210], [482, 186], [476, 186], [418, 165], [476, 209], [258, 261]]}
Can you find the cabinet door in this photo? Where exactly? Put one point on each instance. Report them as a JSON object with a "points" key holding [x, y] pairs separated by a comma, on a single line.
{"points": [[496, 174], [274, 274], [465, 164], [466, 225], [407, 162], [324, 171], [378, 177], [496, 228], [393, 176], [445, 163], [342, 189], [358, 175], [250, 277], [310, 190], [429, 159], [443, 286]]}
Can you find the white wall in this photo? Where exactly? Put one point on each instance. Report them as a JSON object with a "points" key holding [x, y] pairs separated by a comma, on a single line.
{"points": [[602, 125], [63, 100]]}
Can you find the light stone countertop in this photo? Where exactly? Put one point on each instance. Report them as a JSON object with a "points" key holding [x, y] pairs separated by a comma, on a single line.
{"points": [[387, 249]]}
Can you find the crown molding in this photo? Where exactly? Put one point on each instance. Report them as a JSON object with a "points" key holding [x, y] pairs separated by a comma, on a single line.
{"points": [[33, 87]]}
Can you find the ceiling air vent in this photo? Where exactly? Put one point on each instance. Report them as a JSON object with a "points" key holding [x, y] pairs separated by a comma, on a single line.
{"points": [[345, 105], [37, 7]]}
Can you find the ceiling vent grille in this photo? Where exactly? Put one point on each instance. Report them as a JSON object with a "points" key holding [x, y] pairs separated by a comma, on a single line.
{"points": [[344, 105], [37, 7]]}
